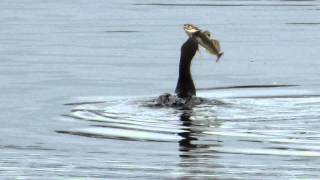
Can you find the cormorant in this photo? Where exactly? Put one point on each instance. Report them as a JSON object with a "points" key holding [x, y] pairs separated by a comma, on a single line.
{"points": [[185, 92]]}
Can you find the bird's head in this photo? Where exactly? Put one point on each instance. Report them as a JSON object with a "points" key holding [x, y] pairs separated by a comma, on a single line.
{"points": [[190, 29]]}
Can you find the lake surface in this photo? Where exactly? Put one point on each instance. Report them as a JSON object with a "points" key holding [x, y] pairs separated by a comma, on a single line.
{"points": [[77, 77]]}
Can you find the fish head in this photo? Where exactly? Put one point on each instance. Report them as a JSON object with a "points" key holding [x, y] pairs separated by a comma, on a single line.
{"points": [[207, 33], [190, 29]]}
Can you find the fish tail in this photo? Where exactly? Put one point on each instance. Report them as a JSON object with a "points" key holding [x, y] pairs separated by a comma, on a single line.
{"points": [[219, 55]]}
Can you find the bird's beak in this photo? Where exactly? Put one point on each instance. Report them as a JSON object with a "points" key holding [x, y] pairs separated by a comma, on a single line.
{"points": [[190, 31]]}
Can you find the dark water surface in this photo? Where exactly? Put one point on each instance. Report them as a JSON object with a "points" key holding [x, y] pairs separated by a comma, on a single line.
{"points": [[77, 77]]}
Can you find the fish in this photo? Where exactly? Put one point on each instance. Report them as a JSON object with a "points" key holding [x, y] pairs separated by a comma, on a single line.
{"points": [[204, 39]]}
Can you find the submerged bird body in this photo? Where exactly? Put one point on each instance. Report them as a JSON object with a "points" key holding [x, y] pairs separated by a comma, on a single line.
{"points": [[203, 38]]}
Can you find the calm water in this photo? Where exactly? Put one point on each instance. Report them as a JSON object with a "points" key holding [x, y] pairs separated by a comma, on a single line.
{"points": [[77, 76]]}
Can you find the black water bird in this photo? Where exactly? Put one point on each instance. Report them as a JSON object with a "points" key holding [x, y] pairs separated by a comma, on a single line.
{"points": [[185, 92]]}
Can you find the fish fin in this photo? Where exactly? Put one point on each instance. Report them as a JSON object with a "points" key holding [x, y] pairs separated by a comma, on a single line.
{"points": [[219, 55], [216, 44], [198, 53], [208, 51]]}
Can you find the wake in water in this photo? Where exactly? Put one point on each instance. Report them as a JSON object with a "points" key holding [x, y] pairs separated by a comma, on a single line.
{"points": [[173, 101], [240, 119], [280, 123]]}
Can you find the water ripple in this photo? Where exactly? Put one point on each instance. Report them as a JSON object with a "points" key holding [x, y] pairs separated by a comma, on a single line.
{"points": [[286, 126]]}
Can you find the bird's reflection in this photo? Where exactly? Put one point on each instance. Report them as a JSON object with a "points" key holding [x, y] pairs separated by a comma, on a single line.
{"points": [[185, 143], [196, 157], [193, 129]]}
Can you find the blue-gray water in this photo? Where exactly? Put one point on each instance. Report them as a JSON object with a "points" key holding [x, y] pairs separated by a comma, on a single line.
{"points": [[76, 75]]}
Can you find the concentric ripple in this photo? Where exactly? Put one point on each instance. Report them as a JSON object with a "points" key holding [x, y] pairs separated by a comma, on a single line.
{"points": [[284, 125], [253, 132], [133, 119], [120, 119]]}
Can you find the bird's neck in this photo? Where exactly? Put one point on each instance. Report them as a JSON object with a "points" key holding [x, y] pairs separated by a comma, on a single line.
{"points": [[185, 86]]}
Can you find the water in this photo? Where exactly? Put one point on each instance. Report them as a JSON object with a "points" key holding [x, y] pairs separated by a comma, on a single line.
{"points": [[76, 77]]}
